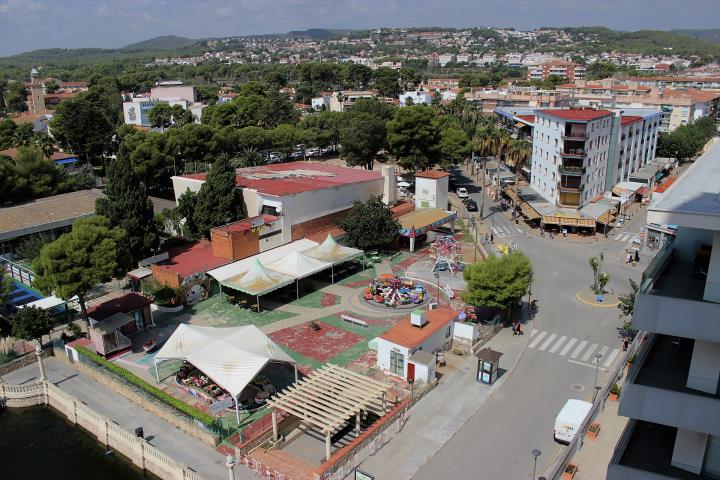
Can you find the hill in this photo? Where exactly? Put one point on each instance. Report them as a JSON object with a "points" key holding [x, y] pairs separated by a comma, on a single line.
{"points": [[708, 35], [162, 43]]}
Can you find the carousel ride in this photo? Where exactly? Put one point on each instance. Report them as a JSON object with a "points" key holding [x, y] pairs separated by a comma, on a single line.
{"points": [[447, 254], [392, 291]]}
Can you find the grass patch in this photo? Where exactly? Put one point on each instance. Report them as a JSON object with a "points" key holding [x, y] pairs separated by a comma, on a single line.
{"points": [[312, 300], [213, 312], [351, 354], [369, 332], [367, 274], [302, 359]]}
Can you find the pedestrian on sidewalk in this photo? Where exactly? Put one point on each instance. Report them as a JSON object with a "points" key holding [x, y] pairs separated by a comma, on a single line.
{"points": [[626, 342]]}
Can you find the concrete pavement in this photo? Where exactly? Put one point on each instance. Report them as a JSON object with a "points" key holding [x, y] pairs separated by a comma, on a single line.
{"points": [[443, 411], [184, 448]]}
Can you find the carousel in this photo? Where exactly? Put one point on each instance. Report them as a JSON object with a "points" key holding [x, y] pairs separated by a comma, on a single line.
{"points": [[392, 291]]}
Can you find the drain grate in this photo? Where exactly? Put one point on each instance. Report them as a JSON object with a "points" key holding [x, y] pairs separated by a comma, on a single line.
{"points": [[577, 387]]}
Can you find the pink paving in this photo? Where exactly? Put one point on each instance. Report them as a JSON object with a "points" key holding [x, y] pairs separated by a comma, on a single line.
{"points": [[368, 360], [322, 345], [328, 300]]}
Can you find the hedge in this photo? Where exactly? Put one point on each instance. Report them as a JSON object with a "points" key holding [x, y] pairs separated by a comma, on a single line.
{"points": [[164, 397]]}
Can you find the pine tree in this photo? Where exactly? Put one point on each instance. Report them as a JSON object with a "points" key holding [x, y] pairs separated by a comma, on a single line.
{"points": [[218, 201], [126, 205]]}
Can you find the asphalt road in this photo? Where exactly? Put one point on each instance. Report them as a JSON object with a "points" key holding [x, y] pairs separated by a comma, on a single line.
{"points": [[558, 364]]}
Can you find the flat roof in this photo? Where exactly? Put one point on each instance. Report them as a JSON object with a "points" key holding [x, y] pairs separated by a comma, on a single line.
{"points": [[192, 258], [423, 220], [434, 174], [290, 178], [408, 335], [246, 223], [124, 304], [577, 114], [694, 199], [46, 213]]}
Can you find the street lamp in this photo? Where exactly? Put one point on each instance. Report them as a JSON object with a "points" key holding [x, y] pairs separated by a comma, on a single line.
{"points": [[598, 356], [536, 453], [437, 282]]}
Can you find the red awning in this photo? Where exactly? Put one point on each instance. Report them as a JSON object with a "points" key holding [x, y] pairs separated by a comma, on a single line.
{"points": [[642, 191]]}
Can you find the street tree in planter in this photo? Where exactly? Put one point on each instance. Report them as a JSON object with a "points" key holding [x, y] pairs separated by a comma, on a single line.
{"points": [[596, 264], [497, 282], [31, 323], [369, 224], [76, 262]]}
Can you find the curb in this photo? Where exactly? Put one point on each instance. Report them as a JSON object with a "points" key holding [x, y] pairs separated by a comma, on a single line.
{"points": [[595, 304]]}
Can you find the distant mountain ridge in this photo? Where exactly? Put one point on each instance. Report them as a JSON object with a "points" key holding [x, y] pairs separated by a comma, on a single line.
{"points": [[708, 34], [163, 42]]}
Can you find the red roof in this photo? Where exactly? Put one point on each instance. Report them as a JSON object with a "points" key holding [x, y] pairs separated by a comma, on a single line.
{"points": [[243, 225], [628, 119], [579, 114], [527, 118], [193, 258], [408, 335], [402, 208], [435, 174], [665, 185], [296, 177], [127, 303]]}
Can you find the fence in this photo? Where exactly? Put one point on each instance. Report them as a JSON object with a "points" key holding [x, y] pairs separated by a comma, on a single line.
{"points": [[561, 460], [23, 361], [17, 271], [137, 450]]}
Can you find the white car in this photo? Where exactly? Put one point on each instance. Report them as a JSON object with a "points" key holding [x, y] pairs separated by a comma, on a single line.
{"points": [[462, 192], [313, 152]]}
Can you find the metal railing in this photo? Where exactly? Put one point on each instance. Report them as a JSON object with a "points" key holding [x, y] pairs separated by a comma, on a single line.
{"points": [[655, 268]]}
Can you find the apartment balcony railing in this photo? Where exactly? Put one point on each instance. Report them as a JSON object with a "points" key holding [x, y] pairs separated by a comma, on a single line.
{"points": [[571, 188], [574, 153], [575, 135], [572, 170]]}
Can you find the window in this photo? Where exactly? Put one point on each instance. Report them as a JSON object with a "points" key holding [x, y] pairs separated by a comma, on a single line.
{"points": [[397, 362], [447, 332], [268, 210]]}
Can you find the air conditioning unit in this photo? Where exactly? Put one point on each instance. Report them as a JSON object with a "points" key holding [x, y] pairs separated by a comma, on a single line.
{"points": [[418, 318]]}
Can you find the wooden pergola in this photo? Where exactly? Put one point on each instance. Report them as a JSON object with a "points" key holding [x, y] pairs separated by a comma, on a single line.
{"points": [[328, 398]]}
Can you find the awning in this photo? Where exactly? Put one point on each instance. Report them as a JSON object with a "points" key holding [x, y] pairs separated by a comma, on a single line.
{"points": [[420, 221], [113, 322], [527, 210], [569, 221], [520, 125], [331, 251], [258, 280], [139, 273], [47, 303], [643, 190], [598, 211]]}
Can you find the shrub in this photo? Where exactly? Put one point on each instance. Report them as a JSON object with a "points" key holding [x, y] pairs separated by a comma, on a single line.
{"points": [[74, 329], [164, 397], [615, 389], [165, 297]]}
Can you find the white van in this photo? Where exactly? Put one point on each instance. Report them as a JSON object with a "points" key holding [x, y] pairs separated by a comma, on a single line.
{"points": [[570, 419]]}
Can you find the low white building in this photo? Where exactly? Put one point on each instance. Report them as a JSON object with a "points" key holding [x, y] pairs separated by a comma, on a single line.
{"points": [[426, 331], [416, 97], [137, 107], [431, 189], [321, 102]]}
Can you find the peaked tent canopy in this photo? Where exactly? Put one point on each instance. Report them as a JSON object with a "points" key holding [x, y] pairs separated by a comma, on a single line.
{"points": [[231, 357], [258, 280], [331, 251], [297, 265]]}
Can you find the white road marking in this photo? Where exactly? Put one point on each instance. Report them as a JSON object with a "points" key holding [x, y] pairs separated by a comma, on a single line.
{"points": [[579, 349], [537, 339], [532, 334], [589, 352], [590, 365], [548, 341], [568, 346], [557, 344], [611, 357]]}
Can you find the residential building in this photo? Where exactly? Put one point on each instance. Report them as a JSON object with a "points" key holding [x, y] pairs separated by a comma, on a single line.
{"points": [[570, 155], [137, 107], [490, 99], [570, 70], [632, 145], [307, 197], [427, 331], [672, 391], [344, 100], [698, 82], [418, 97], [321, 102]]}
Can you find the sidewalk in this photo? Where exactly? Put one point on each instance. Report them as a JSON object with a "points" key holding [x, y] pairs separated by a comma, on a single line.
{"points": [[202, 458], [436, 418], [593, 458]]}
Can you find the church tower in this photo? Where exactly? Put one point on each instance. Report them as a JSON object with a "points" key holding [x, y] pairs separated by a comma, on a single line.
{"points": [[37, 95]]}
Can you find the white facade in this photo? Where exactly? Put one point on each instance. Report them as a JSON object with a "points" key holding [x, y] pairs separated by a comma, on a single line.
{"points": [[136, 109], [417, 98], [570, 157], [431, 192], [317, 103], [388, 352], [636, 142]]}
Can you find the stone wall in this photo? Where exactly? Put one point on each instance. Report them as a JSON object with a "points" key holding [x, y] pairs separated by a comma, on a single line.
{"points": [[25, 360]]}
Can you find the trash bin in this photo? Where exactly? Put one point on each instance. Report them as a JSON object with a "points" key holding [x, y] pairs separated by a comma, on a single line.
{"points": [[139, 432]]}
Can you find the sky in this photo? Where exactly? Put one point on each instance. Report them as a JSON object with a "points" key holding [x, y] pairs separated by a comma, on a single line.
{"points": [[31, 24]]}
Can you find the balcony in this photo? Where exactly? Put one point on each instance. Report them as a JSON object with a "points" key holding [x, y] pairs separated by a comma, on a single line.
{"points": [[670, 299], [575, 134], [656, 388], [644, 452], [570, 187], [572, 170], [573, 153]]}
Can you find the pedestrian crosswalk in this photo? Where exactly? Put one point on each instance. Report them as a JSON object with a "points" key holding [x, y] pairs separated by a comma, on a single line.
{"points": [[626, 237], [574, 349], [507, 230]]}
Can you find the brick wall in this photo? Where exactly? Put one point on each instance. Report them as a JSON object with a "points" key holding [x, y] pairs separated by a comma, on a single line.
{"points": [[302, 230], [165, 277], [234, 245]]}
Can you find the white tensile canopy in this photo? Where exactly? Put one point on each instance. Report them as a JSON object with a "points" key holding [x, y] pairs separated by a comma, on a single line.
{"points": [[333, 252], [258, 280], [231, 357], [297, 265]]}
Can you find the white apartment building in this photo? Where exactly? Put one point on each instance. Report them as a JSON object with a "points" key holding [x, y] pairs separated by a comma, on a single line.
{"points": [[137, 107], [672, 391], [570, 155], [416, 97], [633, 143], [321, 102]]}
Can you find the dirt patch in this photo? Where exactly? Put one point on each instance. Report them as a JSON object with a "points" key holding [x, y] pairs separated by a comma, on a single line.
{"points": [[328, 300], [321, 345]]}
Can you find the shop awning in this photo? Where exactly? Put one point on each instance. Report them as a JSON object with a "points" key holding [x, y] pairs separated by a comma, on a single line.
{"points": [[598, 211], [568, 221], [333, 252]]}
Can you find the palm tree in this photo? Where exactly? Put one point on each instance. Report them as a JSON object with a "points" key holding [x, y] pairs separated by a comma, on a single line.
{"points": [[518, 156], [45, 143]]}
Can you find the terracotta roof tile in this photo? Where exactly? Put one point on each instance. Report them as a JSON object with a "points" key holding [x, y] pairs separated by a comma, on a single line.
{"points": [[579, 114], [196, 257], [126, 303], [408, 335], [432, 174]]}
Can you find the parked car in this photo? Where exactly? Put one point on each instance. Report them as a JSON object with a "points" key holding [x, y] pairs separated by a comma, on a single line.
{"points": [[462, 192], [274, 158], [471, 206], [296, 155], [313, 152]]}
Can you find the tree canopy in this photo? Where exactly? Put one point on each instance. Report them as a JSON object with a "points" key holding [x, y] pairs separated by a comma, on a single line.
{"points": [[219, 201], [31, 323], [369, 224], [362, 137], [498, 281], [78, 261], [414, 137]]}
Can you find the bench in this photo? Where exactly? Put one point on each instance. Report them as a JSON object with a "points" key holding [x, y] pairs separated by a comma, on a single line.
{"points": [[354, 320]]}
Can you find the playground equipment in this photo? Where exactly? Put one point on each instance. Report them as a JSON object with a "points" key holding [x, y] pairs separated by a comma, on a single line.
{"points": [[447, 253], [393, 291]]}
